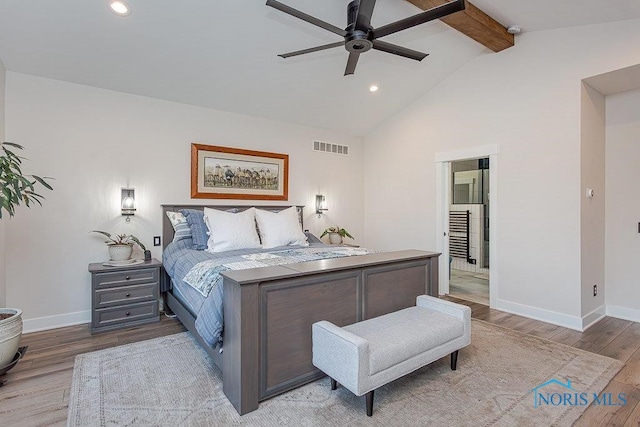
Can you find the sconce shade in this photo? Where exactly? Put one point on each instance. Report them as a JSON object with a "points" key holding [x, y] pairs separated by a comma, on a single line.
{"points": [[128, 201], [321, 204]]}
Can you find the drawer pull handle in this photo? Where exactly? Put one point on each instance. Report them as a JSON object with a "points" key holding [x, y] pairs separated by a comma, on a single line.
{"points": [[127, 313], [127, 295], [127, 278]]}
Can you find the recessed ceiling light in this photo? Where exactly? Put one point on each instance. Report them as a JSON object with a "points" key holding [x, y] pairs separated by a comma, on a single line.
{"points": [[119, 7], [373, 88]]}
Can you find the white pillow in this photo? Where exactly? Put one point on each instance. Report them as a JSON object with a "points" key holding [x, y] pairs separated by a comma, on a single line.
{"points": [[280, 229], [229, 231]]}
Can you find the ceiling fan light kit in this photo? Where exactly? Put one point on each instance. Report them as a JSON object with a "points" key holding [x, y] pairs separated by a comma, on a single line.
{"points": [[360, 37]]}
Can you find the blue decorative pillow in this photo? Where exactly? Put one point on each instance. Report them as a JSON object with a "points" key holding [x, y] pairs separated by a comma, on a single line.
{"points": [[195, 219], [312, 238], [180, 226]]}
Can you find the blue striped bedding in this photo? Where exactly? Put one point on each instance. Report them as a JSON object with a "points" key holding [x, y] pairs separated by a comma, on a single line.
{"points": [[179, 259]]}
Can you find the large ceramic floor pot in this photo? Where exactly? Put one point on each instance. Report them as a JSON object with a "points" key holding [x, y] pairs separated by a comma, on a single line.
{"points": [[10, 333]]}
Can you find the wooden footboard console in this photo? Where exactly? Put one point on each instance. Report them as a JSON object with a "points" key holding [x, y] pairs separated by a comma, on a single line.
{"points": [[268, 313]]}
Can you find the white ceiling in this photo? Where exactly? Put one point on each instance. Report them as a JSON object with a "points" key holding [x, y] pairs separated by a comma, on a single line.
{"points": [[616, 81], [222, 54]]}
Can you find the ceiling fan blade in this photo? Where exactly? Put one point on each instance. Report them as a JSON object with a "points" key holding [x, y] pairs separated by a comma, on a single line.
{"points": [[365, 11], [311, 49], [308, 18], [426, 16], [399, 50], [351, 63]]}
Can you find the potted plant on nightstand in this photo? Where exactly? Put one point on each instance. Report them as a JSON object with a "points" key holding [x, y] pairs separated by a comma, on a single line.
{"points": [[336, 234], [17, 188], [121, 245]]}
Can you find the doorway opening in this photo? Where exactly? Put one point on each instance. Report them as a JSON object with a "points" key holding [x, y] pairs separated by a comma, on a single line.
{"points": [[468, 224], [466, 212]]}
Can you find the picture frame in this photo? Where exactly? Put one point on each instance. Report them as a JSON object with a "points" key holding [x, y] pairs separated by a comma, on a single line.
{"points": [[234, 173]]}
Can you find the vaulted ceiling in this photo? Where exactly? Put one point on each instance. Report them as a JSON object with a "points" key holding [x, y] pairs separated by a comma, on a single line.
{"points": [[223, 54]]}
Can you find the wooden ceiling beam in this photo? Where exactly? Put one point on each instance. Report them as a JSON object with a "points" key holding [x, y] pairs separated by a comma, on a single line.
{"points": [[474, 23]]}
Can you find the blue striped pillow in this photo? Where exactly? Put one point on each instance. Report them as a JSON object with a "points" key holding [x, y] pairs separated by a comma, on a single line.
{"points": [[199, 231], [180, 226]]}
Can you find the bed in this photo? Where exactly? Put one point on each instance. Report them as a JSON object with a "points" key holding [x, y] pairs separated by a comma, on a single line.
{"points": [[268, 311]]}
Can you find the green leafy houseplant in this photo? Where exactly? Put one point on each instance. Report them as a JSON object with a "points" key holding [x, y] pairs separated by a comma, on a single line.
{"points": [[120, 239], [336, 230], [118, 242], [17, 187]]}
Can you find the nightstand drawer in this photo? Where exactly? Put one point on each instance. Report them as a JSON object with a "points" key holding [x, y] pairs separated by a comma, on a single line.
{"points": [[110, 297], [132, 313], [125, 278], [125, 296]]}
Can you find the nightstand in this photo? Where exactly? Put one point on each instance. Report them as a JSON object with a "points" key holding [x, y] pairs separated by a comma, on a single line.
{"points": [[124, 296]]}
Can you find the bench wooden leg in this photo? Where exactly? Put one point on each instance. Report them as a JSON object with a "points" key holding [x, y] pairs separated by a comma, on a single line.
{"points": [[370, 403], [334, 384], [454, 360]]}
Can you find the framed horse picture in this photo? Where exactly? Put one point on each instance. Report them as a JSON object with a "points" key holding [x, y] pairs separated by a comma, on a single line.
{"points": [[234, 173]]}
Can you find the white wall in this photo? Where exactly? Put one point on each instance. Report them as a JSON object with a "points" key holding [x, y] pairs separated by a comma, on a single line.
{"points": [[622, 241], [527, 100], [3, 263], [592, 211], [96, 141]]}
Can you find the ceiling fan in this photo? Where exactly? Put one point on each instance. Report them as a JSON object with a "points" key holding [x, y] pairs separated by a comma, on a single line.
{"points": [[360, 36]]}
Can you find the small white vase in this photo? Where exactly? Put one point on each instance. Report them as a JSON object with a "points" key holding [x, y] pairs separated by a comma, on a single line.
{"points": [[120, 252], [335, 238], [10, 333]]}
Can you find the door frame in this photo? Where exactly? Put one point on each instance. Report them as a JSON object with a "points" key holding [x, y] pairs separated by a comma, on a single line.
{"points": [[443, 190]]}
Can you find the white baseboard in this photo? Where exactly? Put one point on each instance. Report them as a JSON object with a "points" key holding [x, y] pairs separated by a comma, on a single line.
{"points": [[593, 317], [555, 318], [57, 321], [623, 313]]}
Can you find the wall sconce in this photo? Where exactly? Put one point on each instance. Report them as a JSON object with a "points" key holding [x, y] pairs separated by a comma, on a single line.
{"points": [[128, 202], [321, 204]]}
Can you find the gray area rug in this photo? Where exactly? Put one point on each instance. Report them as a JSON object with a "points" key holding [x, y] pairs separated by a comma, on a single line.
{"points": [[170, 381]]}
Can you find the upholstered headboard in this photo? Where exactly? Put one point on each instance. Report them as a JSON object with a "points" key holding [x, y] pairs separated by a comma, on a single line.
{"points": [[167, 229]]}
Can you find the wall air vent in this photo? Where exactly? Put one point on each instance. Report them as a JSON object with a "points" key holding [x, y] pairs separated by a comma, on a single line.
{"points": [[327, 147]]}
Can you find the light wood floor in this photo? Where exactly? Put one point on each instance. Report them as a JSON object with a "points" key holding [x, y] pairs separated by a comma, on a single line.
{"points": [[36, 392], [619, 339], [37, 389], [469, 286]]}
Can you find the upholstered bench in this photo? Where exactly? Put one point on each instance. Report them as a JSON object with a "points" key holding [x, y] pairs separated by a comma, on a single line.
{"points": [[374, 352]]}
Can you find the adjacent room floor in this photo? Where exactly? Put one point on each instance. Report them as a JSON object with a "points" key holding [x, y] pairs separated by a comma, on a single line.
{"points": [[469, 286]]}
